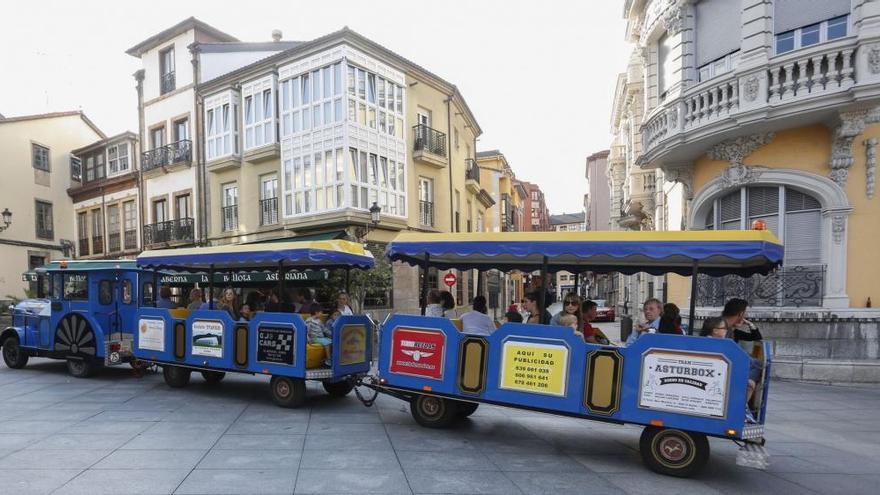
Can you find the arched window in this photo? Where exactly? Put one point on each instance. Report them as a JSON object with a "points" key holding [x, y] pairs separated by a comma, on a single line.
{"points": [[795, 217]]}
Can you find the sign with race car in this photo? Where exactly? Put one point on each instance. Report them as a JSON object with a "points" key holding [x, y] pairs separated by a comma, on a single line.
{"points": [[151, 334], [207, 338], [354, 345], [275, 345], [537, 368], [418, 352], [684, 382]]}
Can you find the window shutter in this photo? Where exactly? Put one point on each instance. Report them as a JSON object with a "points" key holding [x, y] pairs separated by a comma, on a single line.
{"points": [[75, 169], [763, 201], [729, 211], [803, 235], [792, 14], [665, 63], [718, 28], [798, 201]]}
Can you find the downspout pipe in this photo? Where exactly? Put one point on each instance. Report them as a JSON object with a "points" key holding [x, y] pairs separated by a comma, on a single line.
{"points": [[139, 77], [198, 144], [448, 102]]}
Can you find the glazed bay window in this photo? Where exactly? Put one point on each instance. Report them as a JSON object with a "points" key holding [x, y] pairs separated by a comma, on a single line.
{"points": [[221, 129], [259, 115], [312, 100], [377, 179], [375, 102], [117, 158], [314, 182]]}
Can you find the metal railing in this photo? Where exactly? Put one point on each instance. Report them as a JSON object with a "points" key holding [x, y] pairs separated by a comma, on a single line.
{"points": [[788, 286], [426, 213], [178, 151], [130, 239], [167, 83], [114, 242], [268, 211], [230, 218], [97, 244], [428, 139], [83, 247], [179, 230], [472, 170]]}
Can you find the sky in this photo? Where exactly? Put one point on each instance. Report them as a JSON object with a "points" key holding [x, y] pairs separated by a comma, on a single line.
{"points": [[538, 75]]}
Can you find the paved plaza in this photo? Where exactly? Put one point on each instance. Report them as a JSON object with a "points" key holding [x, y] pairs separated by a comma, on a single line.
{"points": [[120, 434]]}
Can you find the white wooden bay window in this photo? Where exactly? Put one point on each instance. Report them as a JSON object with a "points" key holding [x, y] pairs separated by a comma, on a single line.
{"points": [[259, 113], [117, 158], [221, 126]]}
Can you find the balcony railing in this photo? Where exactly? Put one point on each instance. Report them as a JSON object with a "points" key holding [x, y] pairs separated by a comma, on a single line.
{"points": [[472, 170], [230, 218], [790, 286], [83, 247], [426, 213], [178, 151], [167, 82], [268, 211], [114, 242], [173, 231], [430, 140], [130, 239], [97, 244]]}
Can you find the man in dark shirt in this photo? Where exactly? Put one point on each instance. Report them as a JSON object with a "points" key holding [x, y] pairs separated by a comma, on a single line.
{"points": [[734, 315]]}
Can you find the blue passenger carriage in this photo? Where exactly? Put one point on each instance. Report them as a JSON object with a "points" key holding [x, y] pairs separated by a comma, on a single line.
{"points": [[84, 313], [680, 388], [211, 342]]}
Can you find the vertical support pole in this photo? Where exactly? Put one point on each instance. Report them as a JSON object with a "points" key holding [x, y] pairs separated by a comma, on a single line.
{"points": [[155, 287], [281, 274], [577, 283], [695, 270], [211, 286], [542, 297], [424, 298], [348, 281]]}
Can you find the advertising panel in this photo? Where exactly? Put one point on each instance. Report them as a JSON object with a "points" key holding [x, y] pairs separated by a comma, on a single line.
{"points": [[537, 368], [354, 345], [418, 352], [684, 382], [151, 334], [207, 338], [275, 345]]}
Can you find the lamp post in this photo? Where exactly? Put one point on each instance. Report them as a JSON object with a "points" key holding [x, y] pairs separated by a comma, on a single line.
{"points": [[7, 219], [375, 210], [361, 232]]}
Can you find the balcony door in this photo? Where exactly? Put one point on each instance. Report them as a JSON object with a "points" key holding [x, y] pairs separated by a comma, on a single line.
{"points": [[160, 211], [157, 137], [182, 207], [181, 130], [268, 200], [230, 207]]}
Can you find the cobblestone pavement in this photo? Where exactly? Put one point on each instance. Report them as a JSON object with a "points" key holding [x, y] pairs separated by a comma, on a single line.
{"points": [[119, 434]]}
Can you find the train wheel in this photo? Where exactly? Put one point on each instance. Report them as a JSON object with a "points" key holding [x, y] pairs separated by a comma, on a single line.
{"points": [[673, 452], [465, 409], [176, 376], [288, 392], [338, 389], [81, 367], [213, 377], [74, 338], [433, 412], [13, 355]]}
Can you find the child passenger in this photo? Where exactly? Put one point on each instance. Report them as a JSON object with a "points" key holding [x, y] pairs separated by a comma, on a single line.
{"points": [[318, 333], [570, 320]]}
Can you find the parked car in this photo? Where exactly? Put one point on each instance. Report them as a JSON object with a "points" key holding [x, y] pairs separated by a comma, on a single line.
{"points": [[603, 311]]}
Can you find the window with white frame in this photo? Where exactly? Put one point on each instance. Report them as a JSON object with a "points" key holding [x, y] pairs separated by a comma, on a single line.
{"points": [[820, 32], [719, 66], [117, 158], [377, 179], [259, 114], [312, 100], [230, 207], [314, 182], [221, 128], [375, 102]]}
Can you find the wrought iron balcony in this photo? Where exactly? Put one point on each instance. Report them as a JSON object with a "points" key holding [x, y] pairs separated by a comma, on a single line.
{"points": [[230, 218], [167, 83], [173, 231], [426, 213], [788, 286], [114, 242], [268, 211], [130, 239], [430, 140], [472, 170], [176, 152], [83, 247]]}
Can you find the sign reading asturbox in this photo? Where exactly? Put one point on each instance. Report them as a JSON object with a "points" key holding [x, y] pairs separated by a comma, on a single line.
{"points": [[151, 334], [275, 345], [207, 338], [418, 352], [534, 367], [684, 382]]}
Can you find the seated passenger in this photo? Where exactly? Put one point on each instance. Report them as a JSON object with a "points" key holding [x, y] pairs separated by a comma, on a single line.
{"points": [[670, 320], [343, 302], [734, 314], [531, 305], [307, 302], [717, 328], [477, 321], [571, 305], [589, 311], [213, 298], [652, 309], [447, 301], [245, 313], [319, 334], [571, 321], [434, 307], [195, 299], [229, 303], [165, 298], [513, 317]]}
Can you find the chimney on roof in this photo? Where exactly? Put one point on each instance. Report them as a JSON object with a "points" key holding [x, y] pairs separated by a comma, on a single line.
{"points": [[276, 35]]}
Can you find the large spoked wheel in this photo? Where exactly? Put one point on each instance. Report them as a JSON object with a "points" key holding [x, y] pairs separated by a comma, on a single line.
{"points": [[75, 339], [338, 389], [288, 392], [433, 412], [213, 377], [176, 376], [465, 409], [13, 355], [673, 452]]}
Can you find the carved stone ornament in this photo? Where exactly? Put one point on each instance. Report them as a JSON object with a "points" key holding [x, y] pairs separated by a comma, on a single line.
{"points": [[673, 19], [673, 118], [750, 88], [738, 175], [874, 59], [851, 125], [735, 150], [838, 228], [683, 174], [870, 165]]}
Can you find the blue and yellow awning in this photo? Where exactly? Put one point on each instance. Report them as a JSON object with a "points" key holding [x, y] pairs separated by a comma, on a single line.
{"points": [[715, 252], [303, 255]]}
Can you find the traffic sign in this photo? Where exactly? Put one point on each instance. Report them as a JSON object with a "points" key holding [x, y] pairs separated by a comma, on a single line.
{"points": [[449, 279]]}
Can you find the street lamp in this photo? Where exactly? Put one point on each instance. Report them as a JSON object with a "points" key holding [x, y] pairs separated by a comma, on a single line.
{"points": [[7, 219], [361, 232], [375, 210]]}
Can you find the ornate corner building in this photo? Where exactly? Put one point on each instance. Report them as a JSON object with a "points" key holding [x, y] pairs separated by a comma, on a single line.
{"points": [[732, 111]]}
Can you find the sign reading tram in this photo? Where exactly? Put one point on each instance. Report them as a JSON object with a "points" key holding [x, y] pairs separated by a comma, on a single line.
{"points": [[684, 382]]}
